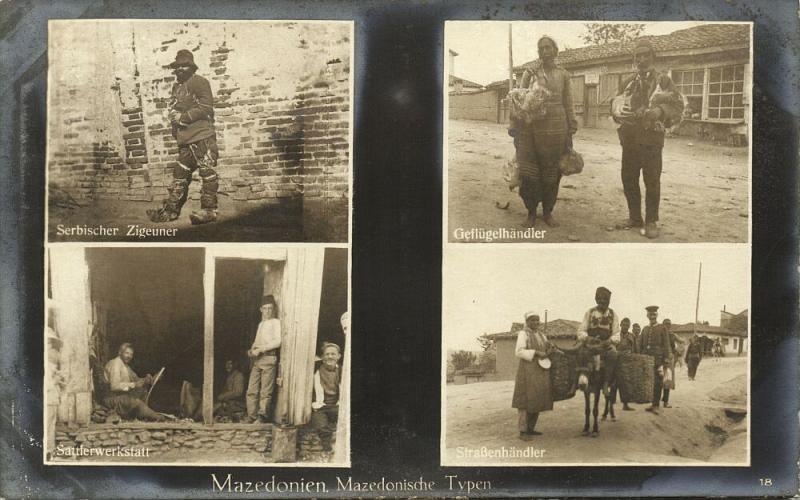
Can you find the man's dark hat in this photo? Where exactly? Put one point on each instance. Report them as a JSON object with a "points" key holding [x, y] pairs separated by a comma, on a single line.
{"points": [[602, 291], [643, 43], [183, 57], [652, 309], [268, 299]]}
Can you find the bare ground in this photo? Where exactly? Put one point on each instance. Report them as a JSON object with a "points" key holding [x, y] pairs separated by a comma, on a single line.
{"points": [[704, 188], [706, 424]]}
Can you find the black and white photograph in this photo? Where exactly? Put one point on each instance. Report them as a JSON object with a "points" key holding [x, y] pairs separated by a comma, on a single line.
{"points": [[224, 355], [581, 131], [165, 130], [568, 356]]}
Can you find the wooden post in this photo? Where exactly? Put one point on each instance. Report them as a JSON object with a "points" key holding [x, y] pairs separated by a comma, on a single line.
{"points": [[697, 303], [208, 339], [284, 443], [510, 61]]}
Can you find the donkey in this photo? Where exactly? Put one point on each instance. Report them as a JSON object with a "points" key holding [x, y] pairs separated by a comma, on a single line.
{"points": [[591, 379]]}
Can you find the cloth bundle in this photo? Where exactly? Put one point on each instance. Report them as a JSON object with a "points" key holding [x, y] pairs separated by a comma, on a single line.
{"points": [[571, 162], [635, 377], [563, 373]]}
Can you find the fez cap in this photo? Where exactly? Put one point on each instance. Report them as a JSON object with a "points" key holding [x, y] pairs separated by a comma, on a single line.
{"points": [[652, 309], [531, 314], [183, 57], [268, 299], [602, 291], [625, 319]]}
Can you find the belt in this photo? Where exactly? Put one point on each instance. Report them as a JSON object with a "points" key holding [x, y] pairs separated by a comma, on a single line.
{"points": [[271, 352]]}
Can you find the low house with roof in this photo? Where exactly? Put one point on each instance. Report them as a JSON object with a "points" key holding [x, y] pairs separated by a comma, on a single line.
{"points": [[710, 65], [561, 332], [731, 334]]}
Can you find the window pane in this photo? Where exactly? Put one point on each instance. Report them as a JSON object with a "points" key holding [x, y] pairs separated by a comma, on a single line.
{"points": [[713, 113], [727, 88], [740, 72], [737, 100], [714, 88], [738, 86], [727, 73], [713, 101], [738, 113], [714, 75], [698, 76], [695, 105], [697, 89], [725, 113], [727, 101]]}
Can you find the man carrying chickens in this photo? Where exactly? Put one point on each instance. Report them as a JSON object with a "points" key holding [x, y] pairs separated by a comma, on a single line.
{"points": [[648, 104]]}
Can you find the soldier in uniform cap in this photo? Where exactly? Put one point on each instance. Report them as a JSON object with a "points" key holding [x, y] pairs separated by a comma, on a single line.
{"points": [[654, 341], [648, 104], [191, 117], [598, 333]]}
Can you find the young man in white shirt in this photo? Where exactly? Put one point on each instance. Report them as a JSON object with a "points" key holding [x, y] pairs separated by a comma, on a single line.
{"points": [[325, 406], [264, 356]]}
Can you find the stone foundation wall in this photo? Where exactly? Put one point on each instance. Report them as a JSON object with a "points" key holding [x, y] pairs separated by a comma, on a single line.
{"points": [[194, 442]]}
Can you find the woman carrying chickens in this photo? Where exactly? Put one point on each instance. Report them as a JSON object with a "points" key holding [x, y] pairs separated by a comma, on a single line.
{"points": [[541, 142]]}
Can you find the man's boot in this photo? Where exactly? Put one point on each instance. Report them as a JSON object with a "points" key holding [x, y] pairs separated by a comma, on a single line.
{"points": [[203, 216], [162, 214]]}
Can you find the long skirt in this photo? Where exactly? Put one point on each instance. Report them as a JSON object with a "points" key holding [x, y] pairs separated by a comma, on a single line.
{"points": [[532, 388], [539, 148]]}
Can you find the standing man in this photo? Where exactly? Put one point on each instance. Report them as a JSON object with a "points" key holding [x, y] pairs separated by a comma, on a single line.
{"points": [[532, 393], [673, 350], [127, 391], [264, 357], [598, 333], [637, 331], [647, 106], [627, 343], [654, 342], [694, 354], [325, 408], [191, 117]]}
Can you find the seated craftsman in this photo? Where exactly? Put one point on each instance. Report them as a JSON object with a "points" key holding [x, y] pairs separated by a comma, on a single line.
{"points": [[325, 407], [230, 401], [127, 391]]}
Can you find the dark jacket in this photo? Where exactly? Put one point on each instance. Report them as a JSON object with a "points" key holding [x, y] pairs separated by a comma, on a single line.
{"points": [[646, 91], [654, 341], [195, 103]]}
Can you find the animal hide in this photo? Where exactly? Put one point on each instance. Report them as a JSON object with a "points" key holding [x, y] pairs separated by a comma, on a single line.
{"points": [[511, 173]]}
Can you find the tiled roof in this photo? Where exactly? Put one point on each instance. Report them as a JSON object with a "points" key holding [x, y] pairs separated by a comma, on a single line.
{"points": [[710, 35], [701, 329], [466, 83], [558, 328]]}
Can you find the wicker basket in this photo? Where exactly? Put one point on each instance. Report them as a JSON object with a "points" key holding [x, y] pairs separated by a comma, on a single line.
{"points": [[563, 375], [635, 377]]}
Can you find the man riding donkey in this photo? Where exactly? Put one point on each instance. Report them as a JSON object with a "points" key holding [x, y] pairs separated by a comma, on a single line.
{"points": [[597, 356]]}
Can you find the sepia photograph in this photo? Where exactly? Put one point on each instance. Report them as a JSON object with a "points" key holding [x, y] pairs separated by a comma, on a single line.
{"points": [[164, 130], [576, 131], [226, 355], [571, 356]]}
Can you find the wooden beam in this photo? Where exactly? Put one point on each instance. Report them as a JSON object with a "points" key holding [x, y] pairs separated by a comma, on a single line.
{"points": [[208, 339]]}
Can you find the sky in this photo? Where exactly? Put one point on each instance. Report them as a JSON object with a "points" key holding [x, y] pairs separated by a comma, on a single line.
{"points": [[482, 46], [486, 289]]}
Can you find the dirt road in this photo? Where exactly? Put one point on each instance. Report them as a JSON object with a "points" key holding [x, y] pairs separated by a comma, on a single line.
{"points": [[704, 189], [706, 424]]}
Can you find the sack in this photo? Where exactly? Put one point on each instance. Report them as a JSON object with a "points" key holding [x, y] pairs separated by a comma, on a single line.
{"points": [[563, 375], [571, 162], [511, 173], [635, 378]]}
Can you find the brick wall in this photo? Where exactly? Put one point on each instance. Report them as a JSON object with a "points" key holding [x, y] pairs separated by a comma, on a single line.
{"points": [[281, 103]]}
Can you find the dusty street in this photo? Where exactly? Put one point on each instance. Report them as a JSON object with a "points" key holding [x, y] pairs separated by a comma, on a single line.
{"points": [[704, 189], [706, 424]]}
